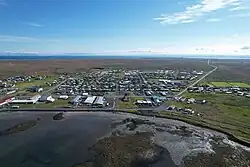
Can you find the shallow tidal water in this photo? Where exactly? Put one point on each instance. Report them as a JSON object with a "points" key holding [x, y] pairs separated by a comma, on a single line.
{"points": [[66, 142]]}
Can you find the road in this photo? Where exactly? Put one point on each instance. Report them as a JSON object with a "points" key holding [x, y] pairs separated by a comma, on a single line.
{"points": [[193, 84], [53, 88]]}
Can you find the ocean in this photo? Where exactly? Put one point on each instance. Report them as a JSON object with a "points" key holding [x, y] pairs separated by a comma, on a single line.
{"points": [[68, 57]]}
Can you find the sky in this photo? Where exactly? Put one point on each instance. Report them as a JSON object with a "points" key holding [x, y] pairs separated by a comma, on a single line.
{"points": [[213, 27]]}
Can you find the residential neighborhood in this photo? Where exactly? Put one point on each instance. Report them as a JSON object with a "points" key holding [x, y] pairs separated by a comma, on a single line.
{"points": [[114, 89]]}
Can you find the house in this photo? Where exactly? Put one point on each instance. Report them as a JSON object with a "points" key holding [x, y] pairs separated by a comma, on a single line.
{"points": [[64, 97], [35, 89], [5, 100], [163, 93], [85, 94], [148, 93], [46, 98], [171, 108], [125, 98], [189, 111], [191, 101], [11, 92]]}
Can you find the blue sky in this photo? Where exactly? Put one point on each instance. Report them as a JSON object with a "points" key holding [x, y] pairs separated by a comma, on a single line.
{"points": [[125, 26]]}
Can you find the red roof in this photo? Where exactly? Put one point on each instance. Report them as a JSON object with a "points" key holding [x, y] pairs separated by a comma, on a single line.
{"points": [[5, 99]]}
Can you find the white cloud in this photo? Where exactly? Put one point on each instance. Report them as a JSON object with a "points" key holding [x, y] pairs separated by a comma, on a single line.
{"points": [[213, 20], [237, 8], [246, 48], [10, 38], [196, 11], [243, 15], [33, 24]]}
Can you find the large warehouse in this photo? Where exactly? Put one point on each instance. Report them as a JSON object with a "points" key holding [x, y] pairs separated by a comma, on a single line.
{"points": [[90, 100]]}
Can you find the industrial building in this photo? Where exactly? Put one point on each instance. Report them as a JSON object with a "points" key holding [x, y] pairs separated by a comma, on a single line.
{"points": [[31, 100], [46, 98], [35, 98], [22, 102], [99, 101], [76, 100], [90, 100]]}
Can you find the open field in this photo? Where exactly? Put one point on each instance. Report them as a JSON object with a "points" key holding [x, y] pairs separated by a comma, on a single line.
{"points": [[231, 71], [57, 104], [220, 84], [9, 68], [33, 82], [129, 104], [227, 112], [226, 84], [239, 84]]}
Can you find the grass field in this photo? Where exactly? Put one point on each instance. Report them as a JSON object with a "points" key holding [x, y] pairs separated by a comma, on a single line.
{"points": [[56, 104], [226, 84], [226, 112], [239, 84], [33, 82], [220, 84], [129, 104]]}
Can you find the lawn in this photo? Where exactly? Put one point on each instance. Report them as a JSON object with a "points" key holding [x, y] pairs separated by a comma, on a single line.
{"points": [[57, 104], [226, 112], [227, 84], [33, 82], [129, 104], [239, 84], [220, 84]]}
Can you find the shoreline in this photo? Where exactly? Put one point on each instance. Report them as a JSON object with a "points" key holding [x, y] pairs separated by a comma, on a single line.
{"points": [[190, 122]]}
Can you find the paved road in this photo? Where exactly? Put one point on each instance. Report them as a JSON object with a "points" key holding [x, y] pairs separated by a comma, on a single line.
{"points": [[78, 109], [53, 88], [193, 84]]}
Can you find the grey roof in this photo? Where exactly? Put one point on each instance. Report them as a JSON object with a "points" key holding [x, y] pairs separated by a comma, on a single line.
{"points": [[76, 99], [90, 99], [99, 100]]}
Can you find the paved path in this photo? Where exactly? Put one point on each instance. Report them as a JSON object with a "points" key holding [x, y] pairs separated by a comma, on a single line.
{"points": [[53, 88], [193, 84]]}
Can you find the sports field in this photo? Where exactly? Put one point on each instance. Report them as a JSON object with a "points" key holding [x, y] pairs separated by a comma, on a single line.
{"points": [[229, 84], [239, 84]]}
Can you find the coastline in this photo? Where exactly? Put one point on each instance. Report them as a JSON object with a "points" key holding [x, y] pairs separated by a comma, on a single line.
{"points": [[190, 122]]}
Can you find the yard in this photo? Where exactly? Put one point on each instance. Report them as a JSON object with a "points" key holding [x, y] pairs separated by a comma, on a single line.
{"points": [[226, 84], [57, 104], [129, 104], [220, 84], [239, 84], [226, 112], [33, 82]]}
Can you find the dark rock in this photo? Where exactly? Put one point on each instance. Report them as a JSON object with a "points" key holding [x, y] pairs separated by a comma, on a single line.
{"points": [[58, 116], [19, 127]]}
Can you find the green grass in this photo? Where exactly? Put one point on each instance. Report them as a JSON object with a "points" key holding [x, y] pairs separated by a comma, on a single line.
{"points": [[33, 82], [239, 84], [220, 84], [129, 104], [57, 104], [227, 84], [227, 112]]}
